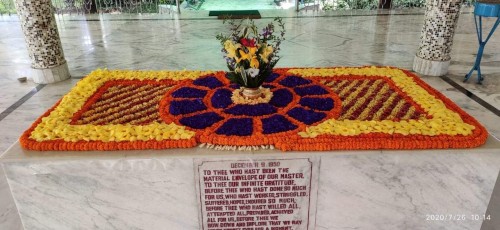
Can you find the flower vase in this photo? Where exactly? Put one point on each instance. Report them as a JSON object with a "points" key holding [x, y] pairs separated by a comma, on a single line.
{"points": [[251, 93]]}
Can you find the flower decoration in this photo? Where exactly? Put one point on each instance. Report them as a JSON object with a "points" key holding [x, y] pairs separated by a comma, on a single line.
{"points": [[250, 55], [220, 117], [309, 109]]}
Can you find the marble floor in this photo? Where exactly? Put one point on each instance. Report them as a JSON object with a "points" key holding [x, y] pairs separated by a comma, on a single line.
{"points": [[313, 39]]}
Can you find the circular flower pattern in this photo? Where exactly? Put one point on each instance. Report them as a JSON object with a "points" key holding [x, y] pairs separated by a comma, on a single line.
{"points": [[205, 106]]}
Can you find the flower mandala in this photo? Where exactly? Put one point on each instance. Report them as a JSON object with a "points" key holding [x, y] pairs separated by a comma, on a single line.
{"points": [[309, 109], [205, 106]]}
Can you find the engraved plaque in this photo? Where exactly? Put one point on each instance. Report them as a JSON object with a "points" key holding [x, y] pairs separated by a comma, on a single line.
{"points": [[257, 194]]}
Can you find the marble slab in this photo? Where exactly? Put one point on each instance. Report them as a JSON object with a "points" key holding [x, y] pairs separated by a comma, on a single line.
{"points": [[398, 191], [9, 217], [490, 217], [12, 91], [153, 189], [14, 124]]}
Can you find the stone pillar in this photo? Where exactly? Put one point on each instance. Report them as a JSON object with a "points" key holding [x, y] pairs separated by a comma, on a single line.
{"points": [[42, 40], [433, 55]]}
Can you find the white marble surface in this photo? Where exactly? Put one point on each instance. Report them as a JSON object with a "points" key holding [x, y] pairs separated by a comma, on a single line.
{"points": [[430, 67], [19, 120], [51, 75], [157, 189], [464, 55], [396, 190], [484, 116], [13, 90], [123, 194], [9, 217], [120, 41]]}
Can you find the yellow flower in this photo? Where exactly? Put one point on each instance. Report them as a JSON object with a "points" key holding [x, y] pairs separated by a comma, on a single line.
{"points": [[250, 56], [243, 56], [246, 56], [231, 48], [268, 50], [443, 121], [57, 125], [254, 63]]}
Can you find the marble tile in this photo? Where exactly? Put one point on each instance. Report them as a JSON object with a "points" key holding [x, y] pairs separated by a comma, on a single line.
{"points": [[397, 190], [493, 209], [14, 63], [12, 91], [464, 55], [487, 118], [126, 42], [9, 217], [98, 44], [19, 120], [137, 191], [118, 194]]}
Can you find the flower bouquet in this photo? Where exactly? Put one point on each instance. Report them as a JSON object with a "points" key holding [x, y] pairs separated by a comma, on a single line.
{"points": [[250, 55]]}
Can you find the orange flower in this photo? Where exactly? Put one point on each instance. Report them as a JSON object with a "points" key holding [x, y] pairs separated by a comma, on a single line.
{"points": [[444, 124]]}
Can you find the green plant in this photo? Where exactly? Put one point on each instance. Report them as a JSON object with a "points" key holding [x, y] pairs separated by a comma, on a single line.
{"points": [[407, 3], [327, 5], [357, 4], [372, 4], [7, 7]]}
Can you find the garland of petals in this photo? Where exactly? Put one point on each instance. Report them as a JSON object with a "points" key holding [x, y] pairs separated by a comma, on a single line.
{"points": [[289, 124], [478, 136], [61, 145]]}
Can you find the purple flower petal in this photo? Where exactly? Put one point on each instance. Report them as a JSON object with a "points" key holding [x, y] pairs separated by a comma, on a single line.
{"points": [[306, 116], [189, 92], [277, 124], [201, 121], [210, 82], [237, 127], [310, 90], [281, 98], [271, 77], [186, 106], [251, 110], [293, 81], [222, 98], [323, 104]]}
